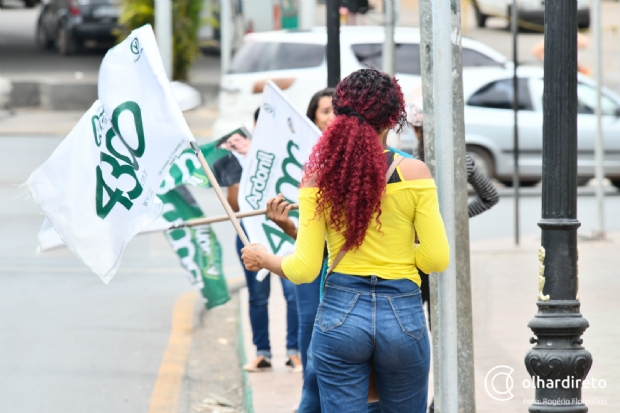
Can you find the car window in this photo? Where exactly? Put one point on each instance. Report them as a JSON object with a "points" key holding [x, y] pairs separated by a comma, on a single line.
{"points": [[264, 56], [586, 101], [498, 95], [408, 57], [472, 58]]}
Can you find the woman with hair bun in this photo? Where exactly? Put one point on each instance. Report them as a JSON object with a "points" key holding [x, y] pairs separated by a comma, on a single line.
{"points": [[369, 209]]}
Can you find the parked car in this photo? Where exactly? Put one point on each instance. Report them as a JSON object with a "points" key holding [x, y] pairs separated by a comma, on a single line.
{"points": [[532, 11], [28, 3], [67, 24], [295, 61], [488, 95]]}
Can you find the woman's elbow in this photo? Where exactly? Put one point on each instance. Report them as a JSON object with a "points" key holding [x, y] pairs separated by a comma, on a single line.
{"points": [[304, 273], [438, 262]]}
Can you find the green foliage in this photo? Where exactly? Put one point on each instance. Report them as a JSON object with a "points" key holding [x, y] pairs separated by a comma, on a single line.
{"points": [[185, 25]]}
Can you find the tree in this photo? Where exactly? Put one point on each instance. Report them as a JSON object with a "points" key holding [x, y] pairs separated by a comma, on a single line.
{"points": [[185, 25]]}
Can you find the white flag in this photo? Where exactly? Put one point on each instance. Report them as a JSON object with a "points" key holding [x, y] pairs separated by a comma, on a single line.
{"points": [[98, 187], [281, 145]]}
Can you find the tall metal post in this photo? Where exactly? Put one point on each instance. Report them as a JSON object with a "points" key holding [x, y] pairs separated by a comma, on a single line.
{"points": [[307, 14], [163, 32], [515, 108], [598, 148], [389, 48], [333, 42], [225, 35], [558, 354], [444, 152]]}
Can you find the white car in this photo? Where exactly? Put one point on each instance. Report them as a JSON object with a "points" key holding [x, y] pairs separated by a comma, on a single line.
{"points": [[295, 61], [488, 95], [530, 11]]}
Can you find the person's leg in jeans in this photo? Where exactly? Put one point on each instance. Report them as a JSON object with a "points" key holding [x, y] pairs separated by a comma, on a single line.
{"points": [[258, 292], [308, 298], [402, 348], [342, 344], [292, 322], [310, 397]]}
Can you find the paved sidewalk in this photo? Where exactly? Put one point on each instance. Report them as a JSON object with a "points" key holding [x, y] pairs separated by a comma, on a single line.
{"points": [[39, 122], [504, 289]]}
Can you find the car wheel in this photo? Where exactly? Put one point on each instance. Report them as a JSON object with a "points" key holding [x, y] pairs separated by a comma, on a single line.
{"points": [[483, 160], [30, 3], [66, 43], [616, 183], [481, 18], [43, 41]]}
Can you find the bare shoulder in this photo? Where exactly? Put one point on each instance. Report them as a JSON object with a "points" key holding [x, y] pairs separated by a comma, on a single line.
{"points": [[309, 181], [413, 169]]}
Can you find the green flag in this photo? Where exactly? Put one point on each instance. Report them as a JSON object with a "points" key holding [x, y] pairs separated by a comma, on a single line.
{"points": [[197, 247]]}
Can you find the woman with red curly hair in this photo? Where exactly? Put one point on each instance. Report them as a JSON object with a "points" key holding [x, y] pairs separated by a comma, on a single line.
{"points": [[371, 312]]}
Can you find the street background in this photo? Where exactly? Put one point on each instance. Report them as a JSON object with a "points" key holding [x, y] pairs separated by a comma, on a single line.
{"points": [[72, 344]]}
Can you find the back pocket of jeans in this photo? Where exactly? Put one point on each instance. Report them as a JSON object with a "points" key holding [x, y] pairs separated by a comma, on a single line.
{"points": [[410, 314], [335, 307]]}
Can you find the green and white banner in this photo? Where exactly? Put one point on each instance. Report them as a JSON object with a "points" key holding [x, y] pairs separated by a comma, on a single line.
{"points": [[197, 247], [281, 145], [186, 170], [98, 187]]}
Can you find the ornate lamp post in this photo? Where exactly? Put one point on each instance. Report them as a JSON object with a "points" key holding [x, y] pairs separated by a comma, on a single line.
{"points": [[558, 363]]}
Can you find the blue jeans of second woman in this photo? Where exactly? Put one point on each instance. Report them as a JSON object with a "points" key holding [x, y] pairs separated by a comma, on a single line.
{"points": [[364, 319], [308, 298], [258, 292]]}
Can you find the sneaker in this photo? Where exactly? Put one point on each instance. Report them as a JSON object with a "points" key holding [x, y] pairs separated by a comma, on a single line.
{"points": [[260, 363], [294, 362]]}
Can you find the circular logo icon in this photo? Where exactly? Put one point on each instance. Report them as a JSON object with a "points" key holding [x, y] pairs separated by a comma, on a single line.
{"points": [[268, 108], [135, 46], [498, 383]]}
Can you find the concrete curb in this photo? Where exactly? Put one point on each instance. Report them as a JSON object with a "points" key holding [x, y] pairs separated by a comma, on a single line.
{"points": [[59, 95], [248, 404]]}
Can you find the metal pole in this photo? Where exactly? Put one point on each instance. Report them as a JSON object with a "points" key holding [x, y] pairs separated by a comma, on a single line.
{"points": [[515, 108], [225, 35], [389, 48], [307, 14], [598, 149], [558, 354], [444, 152], [333, 42], [163, 32]]}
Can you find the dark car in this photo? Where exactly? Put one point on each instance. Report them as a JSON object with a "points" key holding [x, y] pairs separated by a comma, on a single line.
{"points": [[68, 24]]}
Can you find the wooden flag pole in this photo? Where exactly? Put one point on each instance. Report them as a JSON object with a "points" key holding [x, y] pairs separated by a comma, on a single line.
{"points": [[220, 194], [211, 220]]}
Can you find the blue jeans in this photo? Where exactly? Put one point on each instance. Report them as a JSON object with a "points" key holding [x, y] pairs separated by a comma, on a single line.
{"points": [[310, 397], [308, 298], [367, 318], [258, 292]]}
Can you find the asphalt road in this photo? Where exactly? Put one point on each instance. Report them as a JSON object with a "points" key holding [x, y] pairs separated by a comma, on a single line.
{"points": [[21, 59], [69, 342]]}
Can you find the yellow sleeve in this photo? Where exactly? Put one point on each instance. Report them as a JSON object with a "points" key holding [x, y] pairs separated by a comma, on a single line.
{"points": [[433, 253], [305, 263]]}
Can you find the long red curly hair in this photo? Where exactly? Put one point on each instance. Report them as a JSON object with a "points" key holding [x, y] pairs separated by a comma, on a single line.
{"points": [[347, 162]]}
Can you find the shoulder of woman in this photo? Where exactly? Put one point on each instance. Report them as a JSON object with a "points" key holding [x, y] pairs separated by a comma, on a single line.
{"points": [[308, 181], [413, 169]]}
